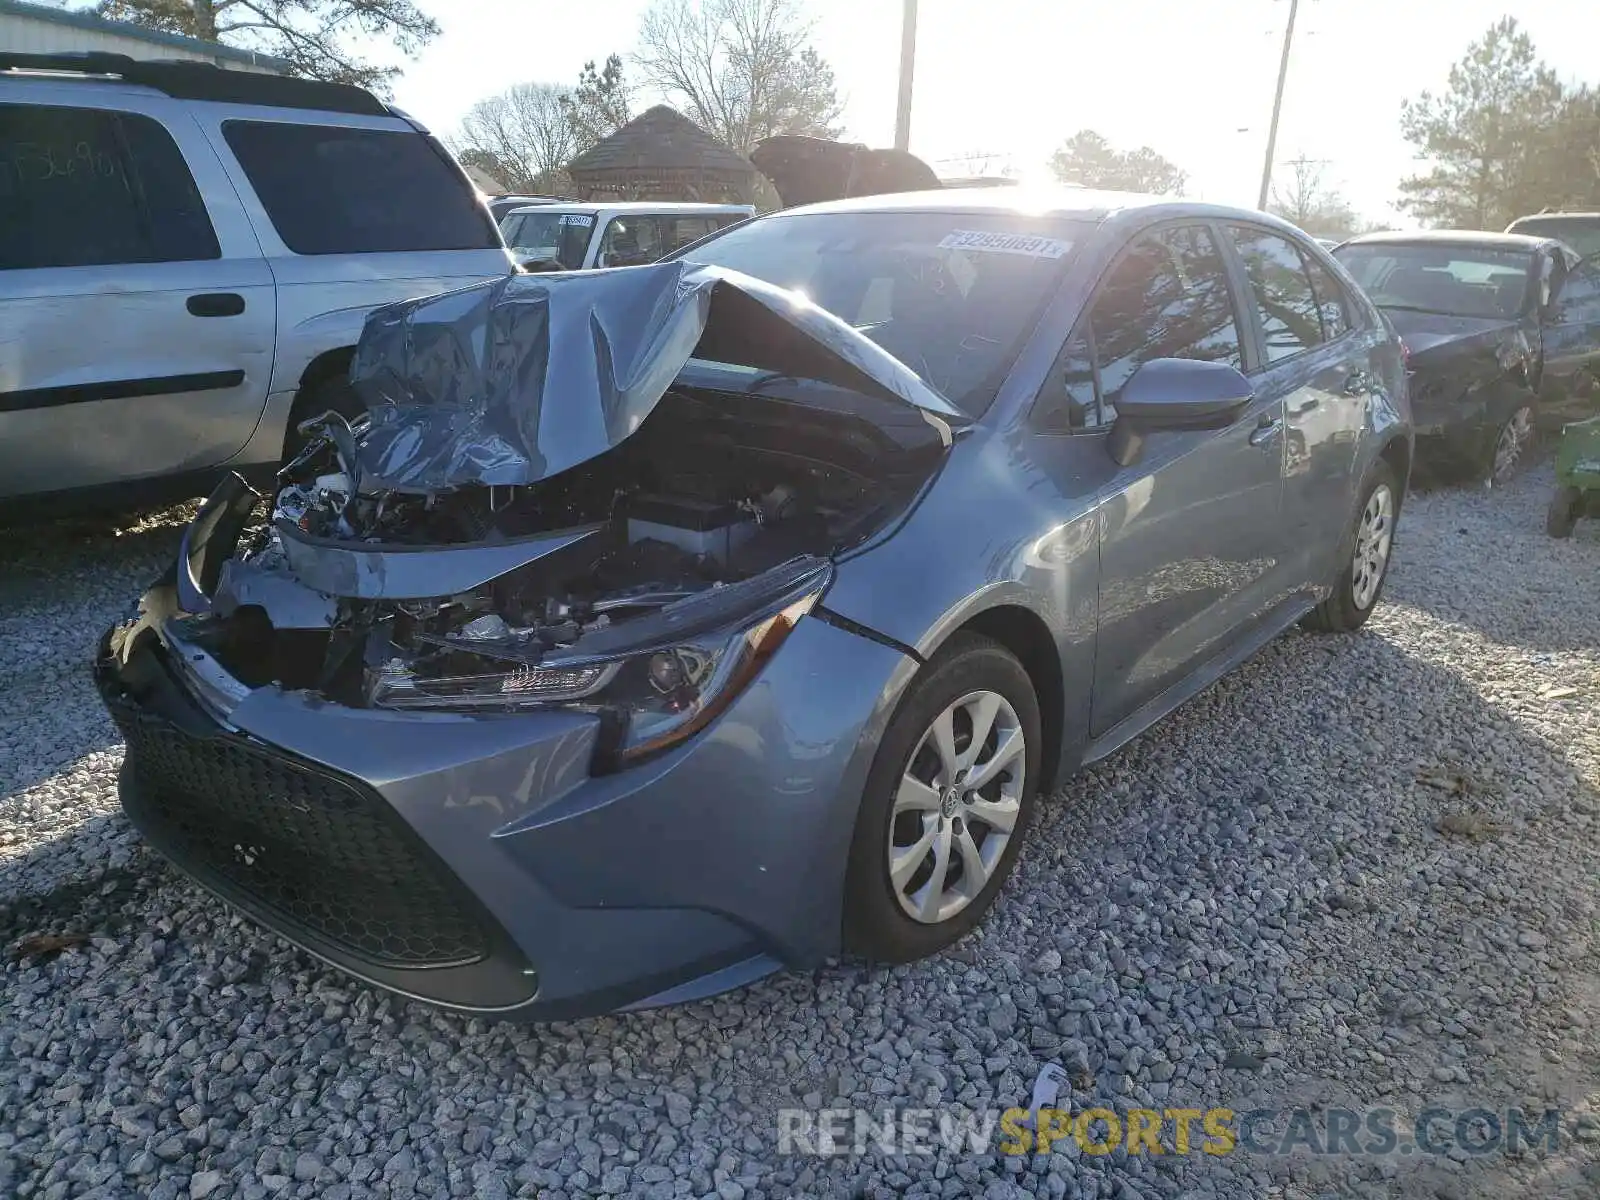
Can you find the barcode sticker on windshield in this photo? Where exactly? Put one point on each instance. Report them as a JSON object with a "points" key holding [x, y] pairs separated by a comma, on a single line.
{"points": [[577, 219], [1005, 243]]}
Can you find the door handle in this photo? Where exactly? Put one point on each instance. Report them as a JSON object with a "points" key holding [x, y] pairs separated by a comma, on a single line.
{"points": [[1266, 433], [215, 304]]}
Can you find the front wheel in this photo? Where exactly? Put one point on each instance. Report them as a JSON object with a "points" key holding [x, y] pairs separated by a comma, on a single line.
{"points": [[947, 802], [1510, 446], [1360, 582]]}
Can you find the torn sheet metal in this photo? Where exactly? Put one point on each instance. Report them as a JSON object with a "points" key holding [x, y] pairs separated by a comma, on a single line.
{"points": [[364, 571], [512, 381]]}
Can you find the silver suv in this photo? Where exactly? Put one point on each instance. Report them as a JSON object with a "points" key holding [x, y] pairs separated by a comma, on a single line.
{"points": [[187, 255]]}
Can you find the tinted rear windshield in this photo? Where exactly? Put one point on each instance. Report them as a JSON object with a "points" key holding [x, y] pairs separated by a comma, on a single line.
{"points": [[1581, 233], [951, 295], [336, 190], [1459, 281]]}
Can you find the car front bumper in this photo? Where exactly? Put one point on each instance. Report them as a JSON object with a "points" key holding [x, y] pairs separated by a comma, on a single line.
{"points": [[473, 862]]}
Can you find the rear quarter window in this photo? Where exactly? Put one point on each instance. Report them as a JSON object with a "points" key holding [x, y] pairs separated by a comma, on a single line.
{"points": [[332, 189]]}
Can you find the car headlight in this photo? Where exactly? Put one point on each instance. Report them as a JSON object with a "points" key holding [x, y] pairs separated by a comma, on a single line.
{"points": [[681, 667]]}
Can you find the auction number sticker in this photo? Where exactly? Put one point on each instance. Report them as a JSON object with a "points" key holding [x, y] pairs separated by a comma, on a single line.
{"points": [[1005, 243], [576, 219]]}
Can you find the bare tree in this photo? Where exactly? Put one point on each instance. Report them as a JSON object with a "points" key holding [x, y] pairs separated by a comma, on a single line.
{"points": [[312, 34], [1306, 200], [524, 132], [741, 69]]}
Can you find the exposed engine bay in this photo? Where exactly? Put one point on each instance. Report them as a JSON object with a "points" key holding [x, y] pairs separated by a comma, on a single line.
{"points": [[609, 492], [628, 570]]}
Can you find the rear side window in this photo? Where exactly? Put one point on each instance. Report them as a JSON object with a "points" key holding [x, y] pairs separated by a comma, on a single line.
{"points": [[1332, 302], [84, 187], [336, 190], [1285, 300]]}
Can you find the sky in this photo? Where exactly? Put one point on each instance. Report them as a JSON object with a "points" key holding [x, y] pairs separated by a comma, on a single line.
{"points": [[1192, 79]]}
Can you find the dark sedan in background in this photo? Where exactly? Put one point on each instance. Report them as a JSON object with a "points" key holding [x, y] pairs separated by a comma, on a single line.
{"points": [[1497, 326]]}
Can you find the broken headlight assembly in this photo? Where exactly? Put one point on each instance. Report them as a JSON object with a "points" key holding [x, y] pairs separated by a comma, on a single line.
{"points": [[655, 680]]}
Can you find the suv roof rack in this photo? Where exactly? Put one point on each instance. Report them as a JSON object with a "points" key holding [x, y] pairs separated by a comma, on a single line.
{"points": [[184, 80]]}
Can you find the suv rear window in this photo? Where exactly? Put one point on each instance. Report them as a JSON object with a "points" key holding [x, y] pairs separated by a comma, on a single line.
{"points": [[1582, 233], [332, 189]]}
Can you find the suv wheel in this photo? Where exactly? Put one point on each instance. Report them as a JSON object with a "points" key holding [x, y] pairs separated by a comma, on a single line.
{"points": [[947, 803]]}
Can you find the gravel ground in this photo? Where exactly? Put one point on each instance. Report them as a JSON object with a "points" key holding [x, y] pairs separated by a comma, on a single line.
{"points": [[1361, 871]]}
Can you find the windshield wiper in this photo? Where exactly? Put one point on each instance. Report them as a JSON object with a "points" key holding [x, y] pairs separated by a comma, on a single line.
{"points": [[1438, 312]]}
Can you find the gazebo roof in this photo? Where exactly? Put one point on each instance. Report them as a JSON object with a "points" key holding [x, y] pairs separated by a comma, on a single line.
{"points": [[660, 139]]}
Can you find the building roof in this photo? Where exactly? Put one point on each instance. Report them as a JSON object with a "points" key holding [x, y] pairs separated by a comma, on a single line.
{"points": [[660, 139], [81, 19]]}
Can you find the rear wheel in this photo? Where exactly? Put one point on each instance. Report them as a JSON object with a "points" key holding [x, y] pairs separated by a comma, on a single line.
{"points": [[1562, 518], [1360, 583], [947, 802], [1510, 446]]}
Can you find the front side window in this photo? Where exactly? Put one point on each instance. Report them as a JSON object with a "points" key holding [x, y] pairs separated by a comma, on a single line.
{"points": [[1579, 298], [952, 295], [549, 237], [1437, 277], [332, 189], [85, 187], [632, 241], [1167, 298], [1284, 298]]}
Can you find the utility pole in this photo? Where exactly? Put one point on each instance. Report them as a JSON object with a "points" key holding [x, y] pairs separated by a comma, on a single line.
{"points": [[1277, 105], [908, 62]]}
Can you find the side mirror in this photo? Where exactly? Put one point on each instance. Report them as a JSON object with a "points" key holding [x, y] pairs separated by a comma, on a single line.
{"points": [[1172, 394]]}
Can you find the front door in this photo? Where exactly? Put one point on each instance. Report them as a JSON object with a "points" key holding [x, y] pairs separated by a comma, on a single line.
{"points": [[138, 342], [1192, 541]]}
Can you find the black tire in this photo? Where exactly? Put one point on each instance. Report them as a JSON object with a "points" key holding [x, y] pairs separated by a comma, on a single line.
{"points": [[1562, 518], [875, 924], [334, 393], [1491, 470], [1340, 612]]}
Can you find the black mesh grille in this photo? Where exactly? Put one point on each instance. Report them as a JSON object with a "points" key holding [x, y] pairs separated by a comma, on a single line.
{"points": [[323, 852]]}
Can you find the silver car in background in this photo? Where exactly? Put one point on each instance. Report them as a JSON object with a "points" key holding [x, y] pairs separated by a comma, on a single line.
{"points": [[186, 261]]}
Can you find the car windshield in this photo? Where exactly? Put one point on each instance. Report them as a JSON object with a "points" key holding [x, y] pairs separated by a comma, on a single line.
{"points": [[951, 295], [1581, 233], [1457, 281], [560, 237]]}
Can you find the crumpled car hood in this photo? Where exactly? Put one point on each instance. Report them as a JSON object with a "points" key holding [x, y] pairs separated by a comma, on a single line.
{"points": [[515, 380]]}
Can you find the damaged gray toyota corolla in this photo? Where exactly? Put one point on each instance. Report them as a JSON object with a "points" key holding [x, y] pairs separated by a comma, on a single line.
{"points": [[654, 629]]}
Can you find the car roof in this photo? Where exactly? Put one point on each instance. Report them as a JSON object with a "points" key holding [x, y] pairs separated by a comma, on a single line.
{"points": [[196, 81], [623, 207], [1070, 203], [1558, 216], [1479, 238]]}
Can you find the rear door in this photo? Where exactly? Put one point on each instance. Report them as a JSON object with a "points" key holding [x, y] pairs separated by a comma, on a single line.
{"points": [[137, 321], [1572, 328], [352, 211], [1192, 537], [1311, 360]]}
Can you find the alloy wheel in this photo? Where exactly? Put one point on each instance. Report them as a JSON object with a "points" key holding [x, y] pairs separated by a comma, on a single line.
{"points": [[956, 807], [1374, 537], [1508, 448]]}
